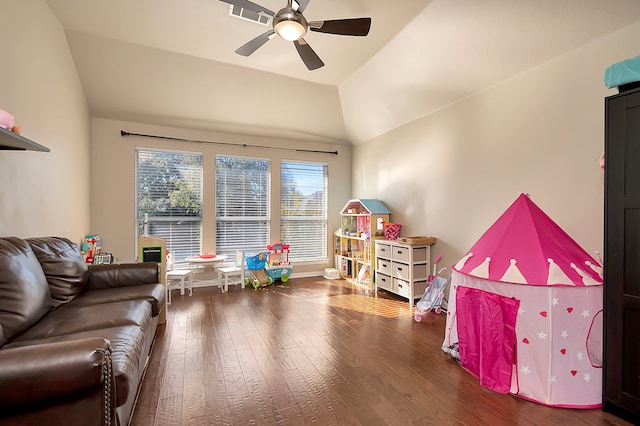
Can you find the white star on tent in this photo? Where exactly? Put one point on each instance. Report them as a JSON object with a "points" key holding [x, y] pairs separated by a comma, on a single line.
{"points": [[521, 310], [587, 377], [554, 301], [552, 379], [580, 356], [585, 313], [542, 335], [525, 370], [565, 334]]}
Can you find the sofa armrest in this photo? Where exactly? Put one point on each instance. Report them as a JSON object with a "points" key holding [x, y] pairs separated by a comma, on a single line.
{"points": [[36, 374], [123, 274]]}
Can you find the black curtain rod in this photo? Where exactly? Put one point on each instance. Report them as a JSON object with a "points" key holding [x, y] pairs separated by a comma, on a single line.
{"points": [[244, 145]]}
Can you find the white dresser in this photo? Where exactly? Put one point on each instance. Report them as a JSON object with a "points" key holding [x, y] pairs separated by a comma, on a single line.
{"points": [[402, 268]]}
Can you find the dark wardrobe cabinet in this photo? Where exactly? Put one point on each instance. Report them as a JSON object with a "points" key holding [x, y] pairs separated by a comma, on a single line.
{"points": [[621, 384]]}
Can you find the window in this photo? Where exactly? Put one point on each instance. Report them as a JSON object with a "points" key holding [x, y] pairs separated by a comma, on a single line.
{"points": [[303, 201], [242, 204], [169, 198]]}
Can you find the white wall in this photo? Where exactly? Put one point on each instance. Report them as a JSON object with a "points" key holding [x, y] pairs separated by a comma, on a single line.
{"points": [[452, 173], [113, 171], [42, 193], [449, 174]]}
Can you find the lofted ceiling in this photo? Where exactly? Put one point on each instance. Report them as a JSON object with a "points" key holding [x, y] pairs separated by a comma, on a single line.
{"points": [[172, 62]]}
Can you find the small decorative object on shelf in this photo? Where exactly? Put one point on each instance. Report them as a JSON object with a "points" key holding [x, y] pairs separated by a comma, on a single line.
{"points": [[103, 259], [391, 231], [420, 239], [91, 247], [361, 222], [6, 120]]}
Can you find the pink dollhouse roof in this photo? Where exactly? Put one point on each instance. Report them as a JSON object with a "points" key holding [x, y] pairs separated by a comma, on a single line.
{"points": [[526, 246]]}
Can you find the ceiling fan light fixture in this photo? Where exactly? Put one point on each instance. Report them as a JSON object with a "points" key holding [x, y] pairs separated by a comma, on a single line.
{"points": [[290, 24], [290, 30]]}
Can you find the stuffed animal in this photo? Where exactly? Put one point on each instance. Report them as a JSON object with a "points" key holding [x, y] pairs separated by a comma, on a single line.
{"points": [[6, 120]]}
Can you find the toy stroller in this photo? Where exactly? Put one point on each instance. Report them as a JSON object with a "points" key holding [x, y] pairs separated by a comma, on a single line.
{"points": [[433, 295]]}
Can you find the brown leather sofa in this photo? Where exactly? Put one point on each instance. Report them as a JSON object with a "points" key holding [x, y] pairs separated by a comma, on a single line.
{"points": [[74, 338]]}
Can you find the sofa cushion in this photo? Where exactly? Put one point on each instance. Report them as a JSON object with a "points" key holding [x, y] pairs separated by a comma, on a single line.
{"points": [[152, 293], [123, 275], [63, 266], [127, 353], [24, 293], [76, 319]]}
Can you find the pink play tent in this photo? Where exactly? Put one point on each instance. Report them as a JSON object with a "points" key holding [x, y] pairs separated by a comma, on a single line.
{"points": [[525, 311]]}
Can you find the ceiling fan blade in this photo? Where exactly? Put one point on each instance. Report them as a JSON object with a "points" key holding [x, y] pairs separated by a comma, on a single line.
{"points": [[351, 27], [302, 5], [309, 57], [253, 45], [250, 6]]}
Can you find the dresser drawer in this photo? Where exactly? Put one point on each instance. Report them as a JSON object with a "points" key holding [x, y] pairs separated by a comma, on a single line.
{"points": [[403, 288], [405, 271], [420, 254], [401, 253], [385, 282], [384, 266], [383, 250]]}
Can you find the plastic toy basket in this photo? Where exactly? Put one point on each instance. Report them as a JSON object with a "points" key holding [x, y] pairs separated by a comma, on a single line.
{"points": [[391, 231], [257, 260]]}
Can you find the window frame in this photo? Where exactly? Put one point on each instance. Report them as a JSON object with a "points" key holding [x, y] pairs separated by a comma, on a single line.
{"points": [[192, 246], [227, 246], [323, 219]]}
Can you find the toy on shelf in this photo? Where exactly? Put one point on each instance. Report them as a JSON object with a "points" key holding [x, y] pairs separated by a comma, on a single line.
{"points": [[257, 273], [278, 266], [91, 246]]}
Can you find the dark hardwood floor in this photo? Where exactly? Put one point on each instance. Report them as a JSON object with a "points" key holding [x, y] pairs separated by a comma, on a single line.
{"points": [[318, 352]]}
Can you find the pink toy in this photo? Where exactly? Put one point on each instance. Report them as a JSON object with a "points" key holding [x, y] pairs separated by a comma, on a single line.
{"points": [[6, 120], [525, 311], [433, 296], [601, 161]]}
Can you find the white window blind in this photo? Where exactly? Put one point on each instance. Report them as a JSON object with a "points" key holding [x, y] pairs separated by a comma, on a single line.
{"points": [[169, 192], [303, 201], [242, 204]]}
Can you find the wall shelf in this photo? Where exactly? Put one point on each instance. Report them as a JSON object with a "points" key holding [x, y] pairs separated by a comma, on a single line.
{"points": [[15, 142]]}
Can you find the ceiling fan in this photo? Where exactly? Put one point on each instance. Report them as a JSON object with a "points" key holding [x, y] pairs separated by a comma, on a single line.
{"points": [[291, 25]]}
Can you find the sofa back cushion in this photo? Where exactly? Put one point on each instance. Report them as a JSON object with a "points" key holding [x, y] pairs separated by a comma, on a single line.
{"points": [[63, 265], [24, 293]]}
